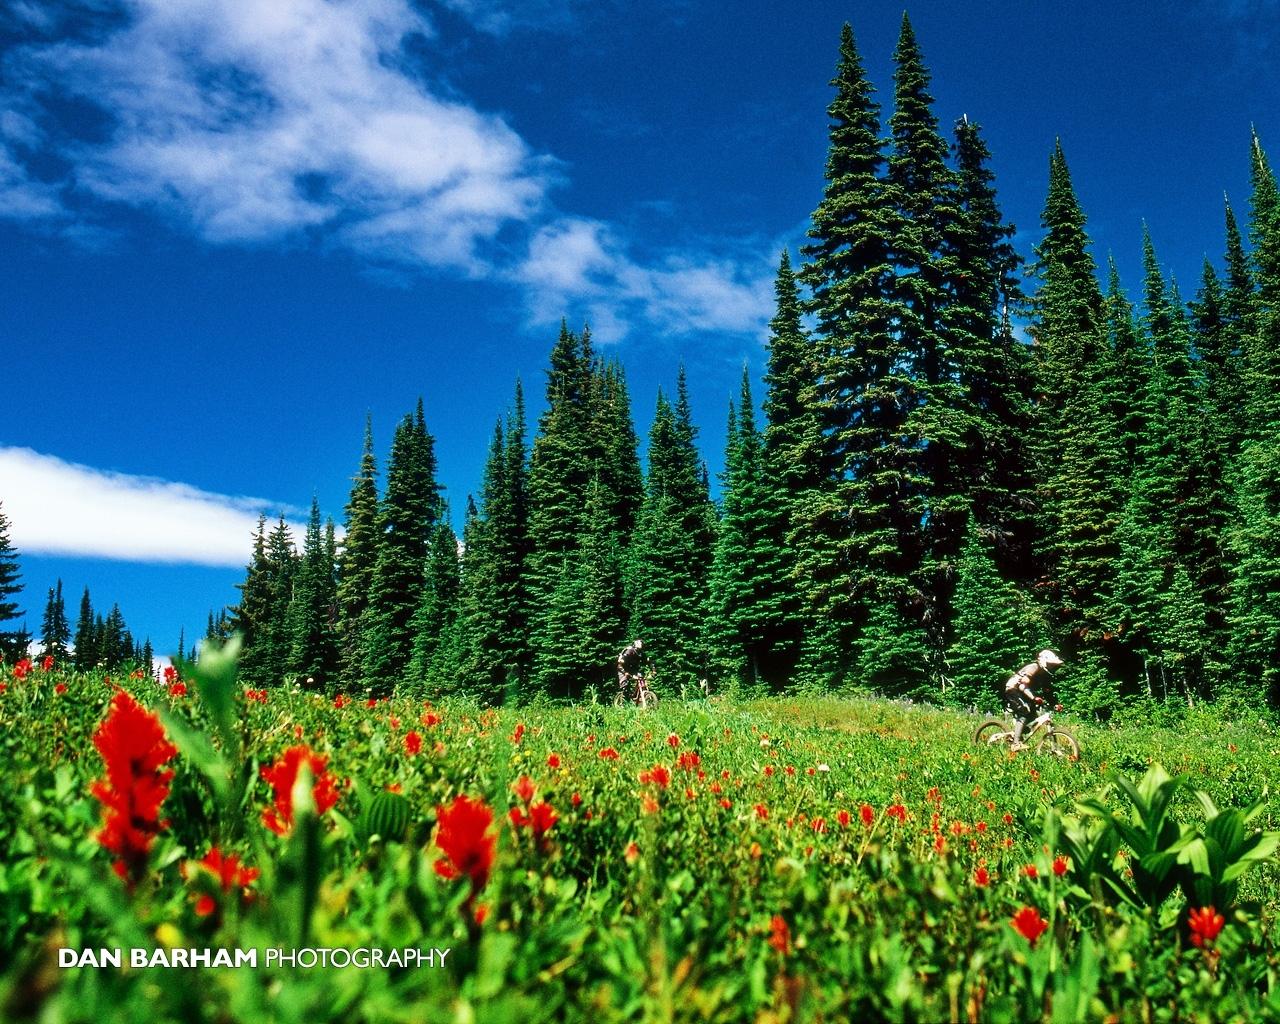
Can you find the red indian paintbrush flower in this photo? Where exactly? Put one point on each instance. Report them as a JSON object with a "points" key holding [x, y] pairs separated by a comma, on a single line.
{"points": [[224, 869], [134, 748], [412, 743], [1204, 925], [281, 777], [463, 835], [780, 934], [1029, 924]]}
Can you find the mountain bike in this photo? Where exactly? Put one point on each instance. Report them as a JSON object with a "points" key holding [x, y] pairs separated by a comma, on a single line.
{"points": [[644, 695], [1040, 735]]}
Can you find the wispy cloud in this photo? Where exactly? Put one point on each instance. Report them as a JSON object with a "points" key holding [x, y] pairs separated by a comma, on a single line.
{"points": [[269, 121], [61, 508], [581, 267]]}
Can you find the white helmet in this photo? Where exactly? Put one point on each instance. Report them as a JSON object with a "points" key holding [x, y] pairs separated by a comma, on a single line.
{"points": [[1046, 659], [638, 643]]}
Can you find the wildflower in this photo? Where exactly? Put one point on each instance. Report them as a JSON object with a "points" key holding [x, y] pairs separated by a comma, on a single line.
{"points": [[899, 812], [60, 688], [430, 719], [1031, 871], [608, 754], [282, 775], [868, 815], [21, 669], [673, 741], [689, 793], [524, 789], [762, 812], [981, 826], [553, 760], [518, 735], [819, 824], [482, 913], [170, 674], [1060, 865], [660, 776], [412, 743], [780, 934], [178, 689], [256, 696], [716, 788], [726, 804], [981, 878], [631, 853], [1007, 818], [940, 844], [810, 771], [688, 761], [134, 748], [790, 770], [372, 702], [844, 818], [934, 796], [755, 851], [1204, 925], [768, 770], [47, 664], [226, 871], [648, 805], [1029, 924], [575, 799], [463, 835], [340, 701]]}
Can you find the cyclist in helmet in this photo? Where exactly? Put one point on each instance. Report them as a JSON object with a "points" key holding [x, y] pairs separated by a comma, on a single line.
{"points": [[630, 666], [1020, 700]]}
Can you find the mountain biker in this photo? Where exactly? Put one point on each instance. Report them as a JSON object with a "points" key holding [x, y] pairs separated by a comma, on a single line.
{"points": [[630, 666], [1019, 699]]}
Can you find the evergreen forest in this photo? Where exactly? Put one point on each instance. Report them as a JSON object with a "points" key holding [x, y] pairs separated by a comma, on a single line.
{"points": [[962, 454]]}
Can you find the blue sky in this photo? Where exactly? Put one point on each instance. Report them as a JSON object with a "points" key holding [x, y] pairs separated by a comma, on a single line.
{"points": [[231, 228]]}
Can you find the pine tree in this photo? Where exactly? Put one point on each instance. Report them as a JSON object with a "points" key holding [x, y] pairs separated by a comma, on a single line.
{"points": [[114, 649], [55, 630], [1262, 354], [356, 562], [410, 511], [602, 615], [13, 642], [433, 622], [85, 655], [861, 532], [1078, 451], [147, 657], [313, 647], [753, 606], [666, 564], [994, 626]]}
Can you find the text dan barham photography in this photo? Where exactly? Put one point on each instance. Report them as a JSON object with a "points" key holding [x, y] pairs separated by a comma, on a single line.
{"points": [[306, 958]]}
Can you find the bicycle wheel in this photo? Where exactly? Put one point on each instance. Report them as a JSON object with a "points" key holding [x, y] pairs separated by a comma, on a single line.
{"points": [[648, 699], [1059, 743], [990, 732], [620, 701]]}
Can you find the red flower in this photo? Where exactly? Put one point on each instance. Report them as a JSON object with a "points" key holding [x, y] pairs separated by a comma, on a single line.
{"points": [[1059, 865], [726, 804], [981, 878], [553, 760], [768, 770], [340, 701], [673, 741], [688, 761], [780, 934], [518, 735], [524, 788], [868, 815], [631, 853], [372, 702], [1029, 924], [133, 748], [1204, 925], [844, 818], [227, 871], [899, 812], [412, 743], [1031, 871], [463, 835], [170, 674], [609, 754], [47, 664], [256, 696], [819, 824], [575, 800], [934, 795], [178, 689], [1008, 818], [541, 817], [430, 719], [281, 777], [21, 669], [60, 688]]}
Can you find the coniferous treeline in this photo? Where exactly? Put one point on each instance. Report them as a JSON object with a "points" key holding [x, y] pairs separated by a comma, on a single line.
{"points": [[930, 497]]}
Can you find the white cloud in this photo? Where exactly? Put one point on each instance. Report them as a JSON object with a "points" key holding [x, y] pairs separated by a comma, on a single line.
{"points": [[255, 119], [581, 265], [262, 121], [61, 508]]}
